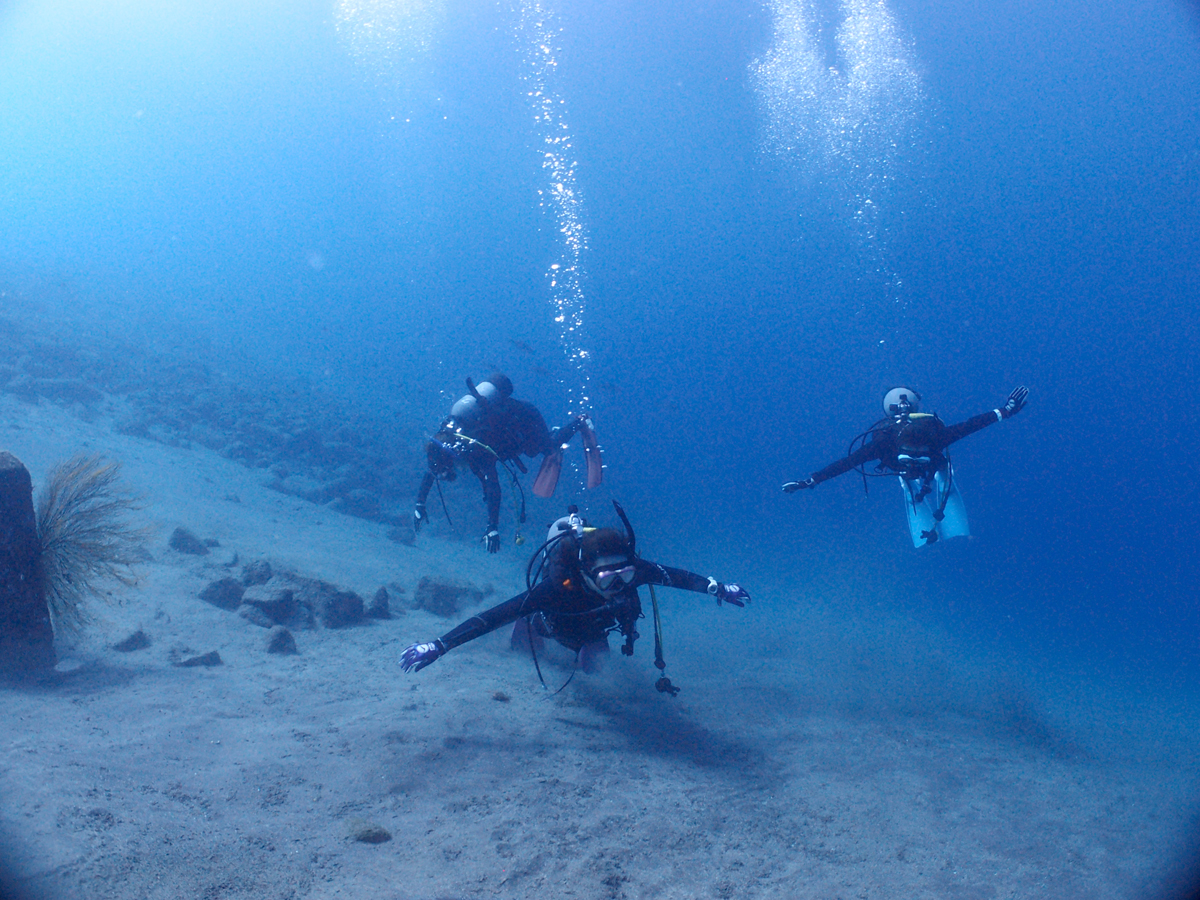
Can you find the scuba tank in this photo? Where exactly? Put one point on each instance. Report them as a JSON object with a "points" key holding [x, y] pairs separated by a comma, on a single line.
{"points": [[568, 527]]}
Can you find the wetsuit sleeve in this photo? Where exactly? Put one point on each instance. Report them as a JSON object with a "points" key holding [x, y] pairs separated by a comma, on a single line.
{"points": [[483, 464], [975, 423], [652, 573], [863, 454], [426, 486], [497, 617]]}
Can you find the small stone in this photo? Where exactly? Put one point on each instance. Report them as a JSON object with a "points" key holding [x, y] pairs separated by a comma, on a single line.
{"points": [[280, 640], [186, 542], [139, 640], [403, 534], [211, 658], [378, 608], [368, 832]]}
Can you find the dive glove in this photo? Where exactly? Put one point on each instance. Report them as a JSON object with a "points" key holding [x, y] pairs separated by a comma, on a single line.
{"points": [[491, 540], [1016, 402], [418, 656], [728, 593], [419, 517], [792, 486]]}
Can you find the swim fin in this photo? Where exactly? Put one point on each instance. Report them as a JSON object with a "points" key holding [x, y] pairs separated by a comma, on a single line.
{"points": [[547, 476], [923, 523], [591, 451]]}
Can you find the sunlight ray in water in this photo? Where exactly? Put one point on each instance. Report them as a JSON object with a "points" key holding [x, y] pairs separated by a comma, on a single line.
{"points": [[842, 121], [537, 36], [389, 38]]}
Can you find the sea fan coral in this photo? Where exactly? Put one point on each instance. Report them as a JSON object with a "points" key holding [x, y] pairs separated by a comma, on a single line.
{"points": [[83, 516]]}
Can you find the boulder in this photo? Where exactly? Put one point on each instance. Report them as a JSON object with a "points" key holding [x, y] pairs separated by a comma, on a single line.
{"points": [[280, 640], [336, 608], [225, 593], [257, 572], [378, 608], [255, 616], [186, 542], [275, 599], [26, 635], [444, 599], [333, 607]]}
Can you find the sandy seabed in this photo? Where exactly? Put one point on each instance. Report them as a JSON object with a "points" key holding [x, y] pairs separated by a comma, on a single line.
{"points": [[125, 776]]}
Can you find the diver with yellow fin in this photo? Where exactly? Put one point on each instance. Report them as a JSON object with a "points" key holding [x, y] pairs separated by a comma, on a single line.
{"points": [[488, 426], [913, 445]]}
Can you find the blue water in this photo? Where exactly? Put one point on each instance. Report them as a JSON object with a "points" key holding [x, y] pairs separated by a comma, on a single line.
{"points": [[1006, 193]]}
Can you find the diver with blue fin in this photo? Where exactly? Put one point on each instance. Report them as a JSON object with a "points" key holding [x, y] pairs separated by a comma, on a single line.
{"points": [[489, 427], [914, 445]]}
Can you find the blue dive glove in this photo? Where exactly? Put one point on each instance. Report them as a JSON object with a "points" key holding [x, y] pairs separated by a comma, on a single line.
{"points": [[728, 593], [418, 656], [792, 486], [1016, 402]]}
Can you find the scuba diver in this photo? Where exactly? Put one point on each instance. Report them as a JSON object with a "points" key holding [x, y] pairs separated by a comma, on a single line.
{"points": [[581, 585], [913, 444], [489, 426]]}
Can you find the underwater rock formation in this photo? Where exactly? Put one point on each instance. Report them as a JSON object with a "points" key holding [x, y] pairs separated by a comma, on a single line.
{"points": [[139, 640], [225, 593], [280, 640], [26, 634], [186, 542], [444, 599], [287, 599], [274, 600], [378, 608], [257, 572]]}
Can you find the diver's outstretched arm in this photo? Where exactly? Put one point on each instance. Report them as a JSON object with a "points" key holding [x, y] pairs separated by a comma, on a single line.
{"points": [[1015, 403], [666, 576], [865, 453], [418, 656], [420, 515]]}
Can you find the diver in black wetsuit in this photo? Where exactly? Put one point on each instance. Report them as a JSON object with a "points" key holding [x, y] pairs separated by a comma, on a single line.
{"points": [[489, 426], [589, 589], [910, 443]]}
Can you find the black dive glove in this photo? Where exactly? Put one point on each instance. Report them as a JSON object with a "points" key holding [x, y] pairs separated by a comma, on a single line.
{"points": [[728, 593], [418, 656], [491, 540], [420, 517], [1016, 402], [792, 486]]}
